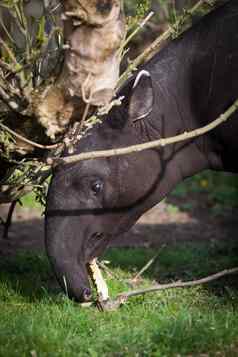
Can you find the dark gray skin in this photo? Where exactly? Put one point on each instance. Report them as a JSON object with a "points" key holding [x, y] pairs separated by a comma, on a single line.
{"points": [[191, 83]]}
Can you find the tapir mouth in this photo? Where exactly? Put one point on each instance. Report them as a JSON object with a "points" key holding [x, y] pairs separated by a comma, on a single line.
{"points": [[97, 246], [71, 255]]}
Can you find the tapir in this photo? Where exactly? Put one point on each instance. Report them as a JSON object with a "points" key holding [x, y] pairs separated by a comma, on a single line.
{"points": [[185, 86]]}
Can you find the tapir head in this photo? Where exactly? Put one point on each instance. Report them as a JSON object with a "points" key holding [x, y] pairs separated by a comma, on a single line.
{"points": [[93, 201]]}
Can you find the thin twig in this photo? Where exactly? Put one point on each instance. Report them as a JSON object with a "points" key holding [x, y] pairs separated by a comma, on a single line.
{"points": [[109, 272], [18, 74], [138, 28], [9, 52], [14, 194], [146, 266], [82, 122], [6, 32], [159, 42], [45, 147], [177, 284], [4, 96], [5, 66], [8, 222], [149, 145]]}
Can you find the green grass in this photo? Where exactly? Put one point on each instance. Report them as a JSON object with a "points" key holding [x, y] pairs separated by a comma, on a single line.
{"points": [[35, 316], [30, 201]]}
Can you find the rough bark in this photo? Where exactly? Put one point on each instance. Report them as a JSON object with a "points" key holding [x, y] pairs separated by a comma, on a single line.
{"points": [[93, 33]]}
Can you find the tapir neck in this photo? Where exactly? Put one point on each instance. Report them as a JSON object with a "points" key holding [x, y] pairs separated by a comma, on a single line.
{"points": [[193, 84], [169, 118], [170, 164]]}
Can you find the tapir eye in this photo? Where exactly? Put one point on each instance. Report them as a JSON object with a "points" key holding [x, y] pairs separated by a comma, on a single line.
{"points": [[97, 187]]}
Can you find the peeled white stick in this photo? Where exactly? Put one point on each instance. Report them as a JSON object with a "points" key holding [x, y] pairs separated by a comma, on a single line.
{"points": [[99, 282]]}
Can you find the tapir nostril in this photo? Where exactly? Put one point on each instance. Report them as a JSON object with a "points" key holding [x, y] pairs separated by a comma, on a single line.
{"points": [[87, 295]]}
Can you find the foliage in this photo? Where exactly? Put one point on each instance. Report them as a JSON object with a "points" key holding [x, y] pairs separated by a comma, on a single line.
{"points": [[221, 189], [28, 176], [136, 11], [26, 50], [29, 51]]}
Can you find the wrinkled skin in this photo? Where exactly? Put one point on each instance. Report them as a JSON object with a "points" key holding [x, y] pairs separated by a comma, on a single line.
{"points": [[191, 82]]}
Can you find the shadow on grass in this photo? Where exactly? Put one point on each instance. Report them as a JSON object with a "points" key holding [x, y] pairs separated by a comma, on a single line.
{"points": [[27, 275]]}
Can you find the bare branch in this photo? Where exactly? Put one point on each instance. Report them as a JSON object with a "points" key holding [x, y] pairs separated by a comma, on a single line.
{"points": [[177, 284], [39, 146], [121, 298], [149, 145]]}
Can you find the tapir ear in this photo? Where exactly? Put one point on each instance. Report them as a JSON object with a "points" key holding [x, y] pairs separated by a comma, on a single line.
{"points": [[142, 97]]}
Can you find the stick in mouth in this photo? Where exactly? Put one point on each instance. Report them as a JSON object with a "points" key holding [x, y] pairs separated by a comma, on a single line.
{"points": [[98, 281]]}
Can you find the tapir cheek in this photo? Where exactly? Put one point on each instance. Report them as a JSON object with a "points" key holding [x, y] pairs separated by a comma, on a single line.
{"points": [[95, 247]]}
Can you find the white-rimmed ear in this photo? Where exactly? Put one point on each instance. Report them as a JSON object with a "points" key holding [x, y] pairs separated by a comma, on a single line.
{"points": [[142, 97]]}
